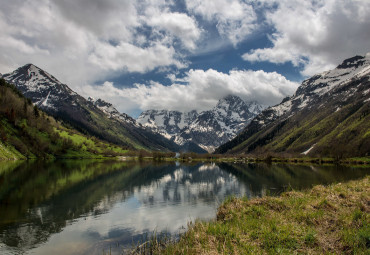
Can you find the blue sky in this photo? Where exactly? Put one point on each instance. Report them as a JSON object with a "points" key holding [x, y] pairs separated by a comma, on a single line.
{"points": [[182, 55]]}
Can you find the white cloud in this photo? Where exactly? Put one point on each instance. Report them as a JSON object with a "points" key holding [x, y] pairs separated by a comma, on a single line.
{"points": [[132, 58], [82, 42], [118, 97], [178, 24], [315, 34], [106, 19], [201, 92], [96, 38], [235, 19]]}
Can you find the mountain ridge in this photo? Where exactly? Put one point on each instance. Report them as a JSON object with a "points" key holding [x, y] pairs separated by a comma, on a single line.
{"points": [[328, 112], [97, 118], [207, 129], [26, 132]]}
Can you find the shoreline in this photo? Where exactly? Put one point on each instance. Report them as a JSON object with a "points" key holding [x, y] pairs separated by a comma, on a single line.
{"points": [[233, 159], [323, 219]]}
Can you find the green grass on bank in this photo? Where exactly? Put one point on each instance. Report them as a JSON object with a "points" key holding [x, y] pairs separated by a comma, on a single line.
{"points": [[324, 220], [8, 152], [86, 146]]}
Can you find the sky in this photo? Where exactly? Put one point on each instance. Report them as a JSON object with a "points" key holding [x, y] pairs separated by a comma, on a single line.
{"points": [[182, 55]]}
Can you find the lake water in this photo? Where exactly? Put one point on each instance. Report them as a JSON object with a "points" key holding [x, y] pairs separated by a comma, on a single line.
{"points": [[94, 207]]}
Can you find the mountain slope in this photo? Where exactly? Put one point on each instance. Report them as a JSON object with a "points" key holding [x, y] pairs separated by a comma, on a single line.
{"points": [[27, 132], [327, 116], [97, 118], [169, 124], [207, 129]]}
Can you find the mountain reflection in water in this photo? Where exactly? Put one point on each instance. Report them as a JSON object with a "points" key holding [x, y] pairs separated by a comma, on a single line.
{"points": [[86, 207]]}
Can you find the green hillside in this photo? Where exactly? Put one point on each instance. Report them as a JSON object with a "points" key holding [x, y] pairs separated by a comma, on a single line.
{"points": [[342, 133], [329, 115], [28, 132]]}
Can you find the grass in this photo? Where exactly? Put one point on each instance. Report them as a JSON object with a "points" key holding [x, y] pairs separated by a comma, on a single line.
{"points": [[324, 220], [8, 152], [80, 146], [88, 144]]}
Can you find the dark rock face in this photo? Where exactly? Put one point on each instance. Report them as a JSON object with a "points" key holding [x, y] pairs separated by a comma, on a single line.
{"points": [[355, 62]]}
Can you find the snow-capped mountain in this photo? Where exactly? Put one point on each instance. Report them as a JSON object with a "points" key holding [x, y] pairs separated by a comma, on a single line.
{"points": [[207, 129], [44, 89], [51, 95], [112, 112], [96, 117], [255, 108], [316, 116], [167, 123]]}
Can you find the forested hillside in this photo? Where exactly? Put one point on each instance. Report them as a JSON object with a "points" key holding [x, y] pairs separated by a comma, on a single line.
{"points": [[28, 132], [91, 117]]}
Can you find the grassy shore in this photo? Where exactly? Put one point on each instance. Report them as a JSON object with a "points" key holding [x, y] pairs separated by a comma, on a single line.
{"points": [[323, 220]]}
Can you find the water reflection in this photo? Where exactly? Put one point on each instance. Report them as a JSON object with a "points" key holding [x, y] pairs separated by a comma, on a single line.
{"points": [[89, 206]]}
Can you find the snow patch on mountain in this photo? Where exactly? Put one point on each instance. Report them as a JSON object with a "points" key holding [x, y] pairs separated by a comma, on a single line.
{"points": [[168, 123], [44, 88], [318, 86], [355, 67], [346, 83], [47, 92], [207, 129], [308, 151], [111, 112]]}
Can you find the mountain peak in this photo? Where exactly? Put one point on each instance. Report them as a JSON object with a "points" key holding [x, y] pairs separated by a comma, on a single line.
{"points": [[231, 98], [208, 129], [230, 102], [44, 89], [355, 62], [30, 65], [31, 75], [352, 68], [29, 69], [318, 118]]}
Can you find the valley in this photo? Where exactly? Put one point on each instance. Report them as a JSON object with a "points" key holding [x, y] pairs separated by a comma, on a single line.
{"points": [[184, 127]]}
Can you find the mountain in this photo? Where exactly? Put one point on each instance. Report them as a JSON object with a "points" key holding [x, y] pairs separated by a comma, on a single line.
{"points": [[167, 123], [27, 132], [327, 116], [207, 129], [93, 117], [112, 112]]}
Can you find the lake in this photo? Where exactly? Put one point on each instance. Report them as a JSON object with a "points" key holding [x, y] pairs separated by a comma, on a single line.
{"points": [[98, 207]]}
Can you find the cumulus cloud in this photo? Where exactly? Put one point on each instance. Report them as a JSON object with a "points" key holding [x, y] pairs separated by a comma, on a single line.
{"points": [[98, 38], [201, 91], [180, 25], [132, 58], [89, 41], [107, 19], [235, 19], [315, 34]]}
